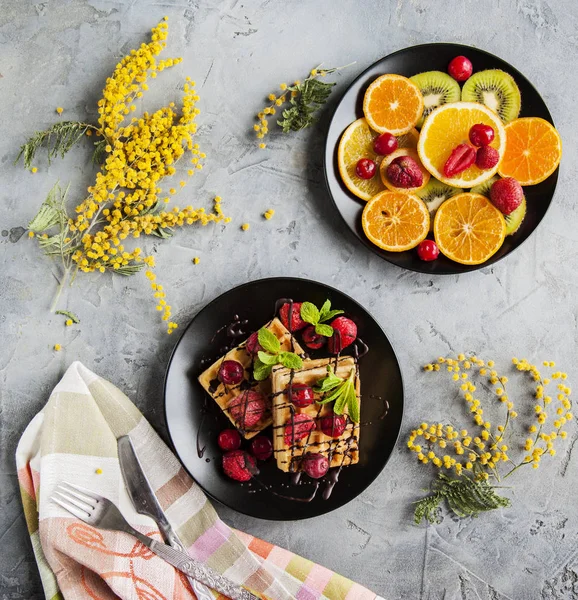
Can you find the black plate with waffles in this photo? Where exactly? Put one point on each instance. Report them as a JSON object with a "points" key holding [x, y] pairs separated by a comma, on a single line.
{"points": [[194, 419]]}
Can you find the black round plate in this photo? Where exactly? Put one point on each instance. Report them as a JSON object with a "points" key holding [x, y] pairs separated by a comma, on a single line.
{"points": [[408, 62], [191, 413]]}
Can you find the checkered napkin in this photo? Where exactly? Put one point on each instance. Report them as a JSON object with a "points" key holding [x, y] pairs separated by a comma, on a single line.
{"points": [[74, 439]]}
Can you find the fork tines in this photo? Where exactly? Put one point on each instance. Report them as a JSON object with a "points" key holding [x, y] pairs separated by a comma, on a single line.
{"points": [[75, 499]]}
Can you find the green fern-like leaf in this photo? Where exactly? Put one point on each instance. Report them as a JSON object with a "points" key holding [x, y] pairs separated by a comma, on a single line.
{"points": [[128, 270], [99, 152], [465, 497], [57, 140]]}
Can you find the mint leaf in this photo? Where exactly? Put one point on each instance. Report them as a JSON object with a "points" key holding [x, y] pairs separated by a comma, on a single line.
{"points": [[330, 314], [267, 359], [325, 308], [310, 313], [261, 371], [353, 405], [268, 341], [329, 382], [341, 400], [325, 330], [290, 360]]}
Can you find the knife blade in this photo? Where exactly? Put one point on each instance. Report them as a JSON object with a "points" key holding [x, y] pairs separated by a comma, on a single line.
{"points": [[146, 503]]}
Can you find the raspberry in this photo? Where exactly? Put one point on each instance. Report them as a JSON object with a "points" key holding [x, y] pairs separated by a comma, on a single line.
{"points": [[344, 334], [298, 429], [247, 409], [404, 172], [294, 309], [487, 157], [239, 465]]}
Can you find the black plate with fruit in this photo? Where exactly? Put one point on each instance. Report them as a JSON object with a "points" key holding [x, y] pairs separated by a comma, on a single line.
{"points": [[408, 63], [282, 438]]}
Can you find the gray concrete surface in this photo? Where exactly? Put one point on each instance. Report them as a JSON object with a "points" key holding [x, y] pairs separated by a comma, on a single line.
{"points": [[58, 53]]}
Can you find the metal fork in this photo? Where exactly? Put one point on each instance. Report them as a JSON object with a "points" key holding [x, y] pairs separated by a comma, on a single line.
{"points": [[100, 512]]}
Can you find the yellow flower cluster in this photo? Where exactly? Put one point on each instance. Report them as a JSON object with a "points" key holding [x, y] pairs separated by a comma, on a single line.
{"points": [[125, 199], [268, 214], [483, 453], [541, 442]]}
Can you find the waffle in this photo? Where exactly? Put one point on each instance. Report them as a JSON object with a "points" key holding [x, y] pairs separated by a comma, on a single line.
{"points": [[342, 451], [222, 394]]}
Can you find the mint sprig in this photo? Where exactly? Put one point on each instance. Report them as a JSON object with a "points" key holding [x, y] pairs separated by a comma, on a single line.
{"points": [[317, 317], [342, 393], [272, 355]]}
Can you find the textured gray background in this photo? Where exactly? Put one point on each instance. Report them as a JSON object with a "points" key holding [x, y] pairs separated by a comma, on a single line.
{"points": [[59, 53]]}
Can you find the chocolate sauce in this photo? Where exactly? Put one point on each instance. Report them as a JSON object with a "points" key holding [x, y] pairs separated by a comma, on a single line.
{"points": [[201, 451]]}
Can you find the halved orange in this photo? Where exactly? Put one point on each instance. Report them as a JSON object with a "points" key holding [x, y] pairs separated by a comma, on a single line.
{"points": [[533, 150], [469, 229], [395, 221], [357, 142], [448, 126], [387, 160], [392, 103]]}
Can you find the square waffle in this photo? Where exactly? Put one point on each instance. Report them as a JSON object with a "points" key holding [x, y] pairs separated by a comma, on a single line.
{"points": [[342, 451], [222, 394]]}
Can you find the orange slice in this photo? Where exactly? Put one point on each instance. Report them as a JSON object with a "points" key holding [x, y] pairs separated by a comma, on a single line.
{"points": [[395, 221], [357, 142], [409, 139], [469, 229], [387, 160], [533, 150], [392, 103], [447, 127]]}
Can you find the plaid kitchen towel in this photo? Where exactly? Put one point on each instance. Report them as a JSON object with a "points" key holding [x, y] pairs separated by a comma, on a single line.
{"points": [[74, 439]]}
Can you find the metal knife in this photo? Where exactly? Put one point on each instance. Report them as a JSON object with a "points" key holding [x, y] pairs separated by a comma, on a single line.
{"points": [[146, 503]]}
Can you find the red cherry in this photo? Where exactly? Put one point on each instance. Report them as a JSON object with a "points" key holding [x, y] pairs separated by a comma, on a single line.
{"points": [[386, 143], [261, 447], [365, 168], [315, 465], [460, 68], [312, 339], [229, 439], [428, 250], [301, 395], [481, 134], [231, 372], [487, 157]]}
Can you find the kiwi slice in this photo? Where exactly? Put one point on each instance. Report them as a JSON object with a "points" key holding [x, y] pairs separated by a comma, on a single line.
{"points": [[497, 90], [484, 188], [437, 88], [434, 194], [515, 218]]}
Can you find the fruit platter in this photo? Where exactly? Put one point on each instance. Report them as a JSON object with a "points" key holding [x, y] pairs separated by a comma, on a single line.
{"points": [[442, 158], [283, 399]]}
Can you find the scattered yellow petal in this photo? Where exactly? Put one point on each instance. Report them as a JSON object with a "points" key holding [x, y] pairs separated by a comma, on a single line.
{"points": [[57, 347], [196, 260], [59, 110], [98, 471], [68, 322], [245, 226], [33, 169]]}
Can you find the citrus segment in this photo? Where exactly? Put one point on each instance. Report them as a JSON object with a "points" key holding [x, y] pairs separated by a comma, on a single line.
{"points": [[469, 229], [357, 142], [533, 150], [409, 139], [392, 103], [447, 127], [395, 221], [387, 160]]}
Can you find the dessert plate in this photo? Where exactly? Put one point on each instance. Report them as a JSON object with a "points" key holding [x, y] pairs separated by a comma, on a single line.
{"points": [[408, 62], [194, 420]]}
